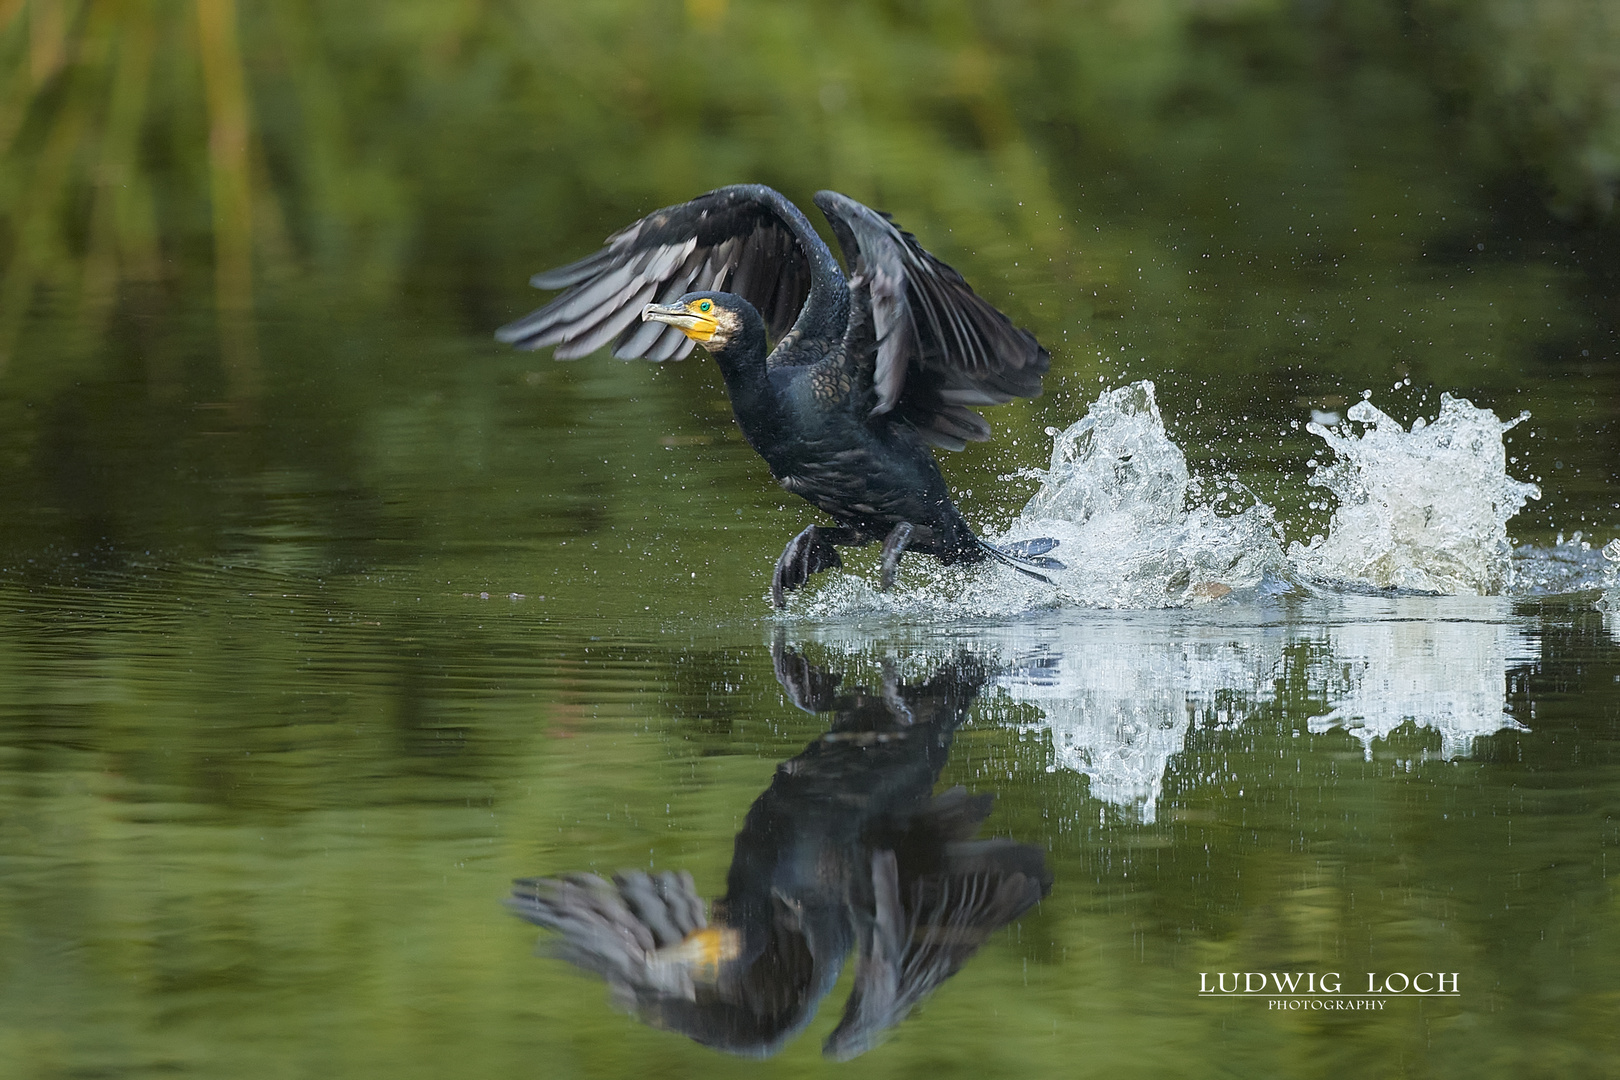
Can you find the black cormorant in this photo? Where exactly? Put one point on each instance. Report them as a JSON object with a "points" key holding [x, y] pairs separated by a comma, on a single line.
{"points": [[848, 849], [866, 374]]}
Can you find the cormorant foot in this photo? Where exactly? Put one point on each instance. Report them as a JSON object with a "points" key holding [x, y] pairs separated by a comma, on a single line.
{"points": [[893, 547], [1031, 549], [1026, 556], [808, 553]]}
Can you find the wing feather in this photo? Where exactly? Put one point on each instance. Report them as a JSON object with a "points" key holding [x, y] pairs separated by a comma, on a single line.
{"points": [[625, 312], [572, 274], [617, 929], [746, 235], [940, 347], [674, 346]]}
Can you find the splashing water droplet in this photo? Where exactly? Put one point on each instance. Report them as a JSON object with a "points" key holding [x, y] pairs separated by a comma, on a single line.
{"points": [[1609, 602], [1424, 510], [1130, 524]]}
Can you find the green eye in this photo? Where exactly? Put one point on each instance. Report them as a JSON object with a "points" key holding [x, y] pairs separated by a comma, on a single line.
{"points": [[704, 305]]}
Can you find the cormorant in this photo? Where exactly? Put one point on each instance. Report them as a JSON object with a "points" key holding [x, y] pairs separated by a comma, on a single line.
{"points": [[848, 849], [866, 374]]}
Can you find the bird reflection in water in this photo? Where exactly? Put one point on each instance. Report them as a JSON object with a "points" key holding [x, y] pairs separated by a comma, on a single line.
{"points": [[848, 848]]}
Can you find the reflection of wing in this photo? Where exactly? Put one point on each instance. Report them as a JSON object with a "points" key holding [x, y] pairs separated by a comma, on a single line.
{"points": [[745, 238], [744, 988], [940, 347], [920, 934], [641, 932]]}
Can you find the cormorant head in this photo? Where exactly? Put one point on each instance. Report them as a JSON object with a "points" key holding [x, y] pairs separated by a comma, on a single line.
{"points": [[713, 318]]}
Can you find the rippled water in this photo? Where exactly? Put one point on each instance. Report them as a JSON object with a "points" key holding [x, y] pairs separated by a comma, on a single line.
{"points": [[246, 822], [262, 793], [255, 813]]}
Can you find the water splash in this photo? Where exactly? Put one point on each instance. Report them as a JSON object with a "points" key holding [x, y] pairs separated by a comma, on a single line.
{"points": [[1424, 510], [1609, 602], [1120, 500], [1564, 566]]}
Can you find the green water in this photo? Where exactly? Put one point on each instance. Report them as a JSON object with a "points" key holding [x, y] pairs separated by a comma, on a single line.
{"points": [[323, 617]]}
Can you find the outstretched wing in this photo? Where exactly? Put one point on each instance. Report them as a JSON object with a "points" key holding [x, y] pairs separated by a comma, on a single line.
{"points": [[745, 239], [940, 347]]}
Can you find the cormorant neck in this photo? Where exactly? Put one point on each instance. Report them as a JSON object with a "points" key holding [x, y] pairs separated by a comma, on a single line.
{"points": [[742, 363], [826, 308]]}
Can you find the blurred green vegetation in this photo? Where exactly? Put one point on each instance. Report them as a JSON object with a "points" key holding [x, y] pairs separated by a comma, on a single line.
{"points": [[169, 155], [247, 247], [1537, 83]]}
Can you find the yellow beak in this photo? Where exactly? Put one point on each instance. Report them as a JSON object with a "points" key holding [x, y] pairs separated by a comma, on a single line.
{"points": [[695, 325]]}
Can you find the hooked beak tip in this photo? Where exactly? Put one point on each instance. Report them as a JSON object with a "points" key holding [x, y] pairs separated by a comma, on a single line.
{"points": [[676, 315]]}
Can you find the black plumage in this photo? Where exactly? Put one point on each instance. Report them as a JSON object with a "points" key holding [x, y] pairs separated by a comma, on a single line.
{"points": [[847, 850], [867, 372]]}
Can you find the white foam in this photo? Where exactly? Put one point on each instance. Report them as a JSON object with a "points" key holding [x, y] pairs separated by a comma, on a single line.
{"points": [[1423, 510], [1609, 602], [1117, 497]]}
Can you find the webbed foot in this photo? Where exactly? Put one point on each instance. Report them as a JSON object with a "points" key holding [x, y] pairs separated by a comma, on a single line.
{"points": [[808, 553], [1028, 557], [894, 547], [1032, 550]]}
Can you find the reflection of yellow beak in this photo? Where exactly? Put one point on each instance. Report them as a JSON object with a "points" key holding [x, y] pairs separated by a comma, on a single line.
{"points": [[703, 951], [694, 325]]}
